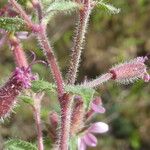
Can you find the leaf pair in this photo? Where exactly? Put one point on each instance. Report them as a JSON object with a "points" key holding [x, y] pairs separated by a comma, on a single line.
{"points": [[40, 85]]}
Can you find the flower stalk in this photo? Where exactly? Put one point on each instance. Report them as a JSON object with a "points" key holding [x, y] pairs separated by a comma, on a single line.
{"points": [[98, 81]]}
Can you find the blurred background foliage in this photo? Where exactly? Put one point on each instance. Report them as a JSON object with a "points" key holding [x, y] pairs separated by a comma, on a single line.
{"points": [[110, 39]]}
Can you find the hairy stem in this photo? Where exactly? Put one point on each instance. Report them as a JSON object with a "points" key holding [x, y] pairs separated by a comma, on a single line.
{"points": [[51, 60], [43, 40], [96, 82], [18, 52], [38, 6], [78, 42], [21, 12], [37, 110], [66, 105]]}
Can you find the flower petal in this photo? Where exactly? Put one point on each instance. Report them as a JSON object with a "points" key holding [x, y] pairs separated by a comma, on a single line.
{"points": [[146, 77], [81, 144], [98, 108], [99, 127], [90, 140]]}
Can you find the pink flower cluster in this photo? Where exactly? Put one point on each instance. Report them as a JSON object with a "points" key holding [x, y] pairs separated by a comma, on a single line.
{"points": [[87, 138], [20, 79]]}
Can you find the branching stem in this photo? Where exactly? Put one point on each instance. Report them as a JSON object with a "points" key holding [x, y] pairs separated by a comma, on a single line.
{"points": [[21, 12], [51, 60], [41, 32]]}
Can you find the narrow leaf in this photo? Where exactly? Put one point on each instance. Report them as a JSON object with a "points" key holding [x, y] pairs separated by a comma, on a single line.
{"points": [[40, 85], [12, 24], [16, 144], [60, 7], [109, 7]]}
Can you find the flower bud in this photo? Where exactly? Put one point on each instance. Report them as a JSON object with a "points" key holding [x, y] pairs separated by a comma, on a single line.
{"points": [[54, 119], [77, 115], [130, 71], [95, 107]]}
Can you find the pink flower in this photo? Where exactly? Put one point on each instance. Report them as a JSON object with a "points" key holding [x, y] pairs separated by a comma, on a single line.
{"points": [[24, 76], [131, 71], [97, 106], [22, 35], [88, 139]]}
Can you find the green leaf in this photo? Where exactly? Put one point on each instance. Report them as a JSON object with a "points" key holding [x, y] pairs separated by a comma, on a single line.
{"points": [[40, 85], [60, 7], [26, 99], [84, 92], [16, 144], [12, 24], [108, 7]]}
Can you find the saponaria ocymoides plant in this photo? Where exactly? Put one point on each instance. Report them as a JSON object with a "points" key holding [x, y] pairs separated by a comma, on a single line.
{"points": [[77, 101]]}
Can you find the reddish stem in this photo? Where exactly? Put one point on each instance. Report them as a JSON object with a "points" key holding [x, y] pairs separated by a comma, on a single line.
{"points": [[79, 41], [38, 6], [41, 32], [66, 105], [18, 52], [51, 60]]}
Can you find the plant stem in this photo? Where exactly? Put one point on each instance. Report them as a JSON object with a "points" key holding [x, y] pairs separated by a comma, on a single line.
{"points": [[43, 40], [18, 52], [51, 60], [66, 105], [37, 111], [38, 6], [40, 30], [21, 12], [78, 42]]}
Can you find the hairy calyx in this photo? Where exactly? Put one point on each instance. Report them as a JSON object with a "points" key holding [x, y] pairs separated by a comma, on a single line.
{"points": [[20, 79]]}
